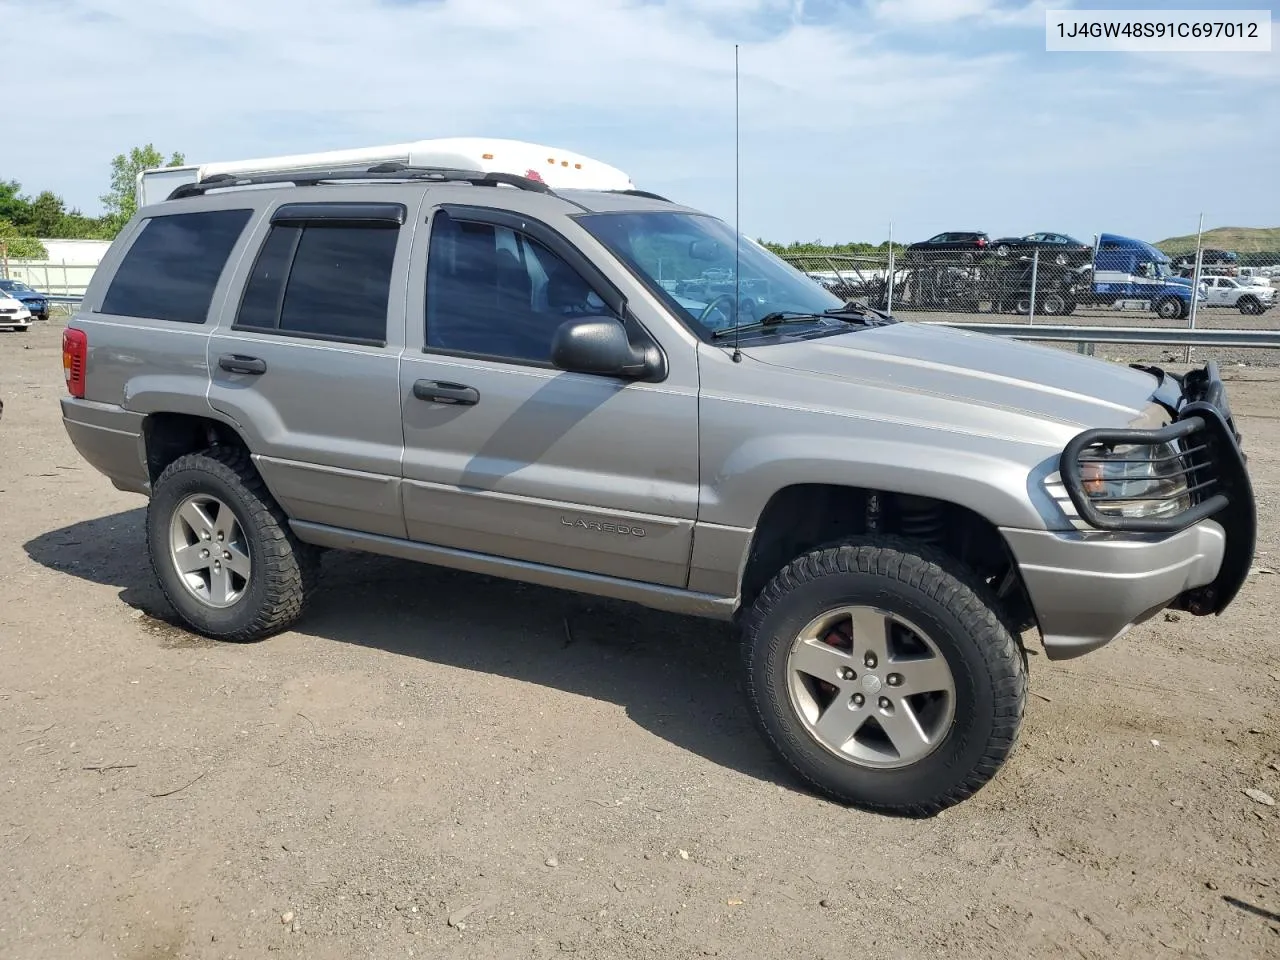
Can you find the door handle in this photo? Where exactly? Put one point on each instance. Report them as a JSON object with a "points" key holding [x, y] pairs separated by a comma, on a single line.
{"points": [[438, 391], [236, 363]]}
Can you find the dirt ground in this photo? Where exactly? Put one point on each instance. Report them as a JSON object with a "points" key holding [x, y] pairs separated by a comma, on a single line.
{"points": [[437, 764]]}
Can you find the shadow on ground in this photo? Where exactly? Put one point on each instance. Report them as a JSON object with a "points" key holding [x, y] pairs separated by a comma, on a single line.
{"points": [[677, 677]]}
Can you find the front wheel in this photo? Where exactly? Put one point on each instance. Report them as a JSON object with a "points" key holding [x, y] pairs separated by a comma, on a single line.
{"points": [[1249, 306], [222, 549], [1170, 308], [882, 674]]}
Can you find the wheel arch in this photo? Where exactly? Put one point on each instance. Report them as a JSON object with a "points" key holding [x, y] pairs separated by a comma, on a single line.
{"points": [[167, 436], [804, 516]]}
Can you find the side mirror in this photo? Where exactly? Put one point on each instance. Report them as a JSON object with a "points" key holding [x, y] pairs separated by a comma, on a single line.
{"points": [[595, 345]]}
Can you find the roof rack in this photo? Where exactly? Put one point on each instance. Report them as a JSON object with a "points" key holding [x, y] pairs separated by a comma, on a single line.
{"points": [[382, 171]]}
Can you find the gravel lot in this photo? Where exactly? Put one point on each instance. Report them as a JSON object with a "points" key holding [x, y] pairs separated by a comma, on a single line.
{"points": [[437, 764]]}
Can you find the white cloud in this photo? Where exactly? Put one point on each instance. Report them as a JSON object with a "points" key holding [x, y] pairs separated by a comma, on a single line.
{"points": [[844, 124], [995, 12]]}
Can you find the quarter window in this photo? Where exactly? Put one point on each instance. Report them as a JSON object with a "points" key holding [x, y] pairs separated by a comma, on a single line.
{"points": [[171, 270]]}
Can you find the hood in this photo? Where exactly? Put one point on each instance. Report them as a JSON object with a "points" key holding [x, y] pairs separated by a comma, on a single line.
{"points": [[1007, 379]]}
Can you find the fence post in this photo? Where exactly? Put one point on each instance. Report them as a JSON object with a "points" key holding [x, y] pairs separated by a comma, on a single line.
{"points": [[888, 307], [1035, 264], [1195, 287]]}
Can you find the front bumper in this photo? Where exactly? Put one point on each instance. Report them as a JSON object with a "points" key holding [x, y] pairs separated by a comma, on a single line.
{"points": [[1088, 586], [1087, 589]]}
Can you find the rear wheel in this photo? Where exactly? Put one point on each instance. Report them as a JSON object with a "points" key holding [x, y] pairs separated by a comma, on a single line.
{"points": [[1053, 305], [222, 549], [882, 674], [1249, 306]]}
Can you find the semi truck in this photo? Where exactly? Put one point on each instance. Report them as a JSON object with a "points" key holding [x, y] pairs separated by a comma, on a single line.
{"points": [[1133, 273], [555, 166]]}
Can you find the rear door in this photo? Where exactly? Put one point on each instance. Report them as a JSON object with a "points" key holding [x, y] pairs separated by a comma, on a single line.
{"points": [[507, 455], [305, 361]]}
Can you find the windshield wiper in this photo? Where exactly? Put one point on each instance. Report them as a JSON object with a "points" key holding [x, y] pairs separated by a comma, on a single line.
{"points": [[849, 313], [775, 319]]}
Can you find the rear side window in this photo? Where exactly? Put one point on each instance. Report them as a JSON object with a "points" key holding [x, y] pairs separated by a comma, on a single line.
{"points": [[328, 280], [171, 269]]}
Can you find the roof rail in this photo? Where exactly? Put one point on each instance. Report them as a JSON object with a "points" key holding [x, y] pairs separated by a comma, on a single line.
{"points": [[642, 193], [382, 171]]}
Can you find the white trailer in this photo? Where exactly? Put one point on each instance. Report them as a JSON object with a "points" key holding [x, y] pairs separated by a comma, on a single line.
{"points": [[557, 167]]}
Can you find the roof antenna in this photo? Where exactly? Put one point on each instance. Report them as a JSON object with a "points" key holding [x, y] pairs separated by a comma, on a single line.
{"points": [[737, 237]]}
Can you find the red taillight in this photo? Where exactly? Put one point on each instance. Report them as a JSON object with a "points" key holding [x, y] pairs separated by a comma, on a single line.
{"points": [[75, 356], [982, 242]]}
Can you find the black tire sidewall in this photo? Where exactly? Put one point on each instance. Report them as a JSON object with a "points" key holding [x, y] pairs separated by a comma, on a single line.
{"points": [[922, 783], [169, 492]]}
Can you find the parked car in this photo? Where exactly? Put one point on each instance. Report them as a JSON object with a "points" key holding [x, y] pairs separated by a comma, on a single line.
{"points": [[1058, 247], [36, 302], [969, 242], [1249, 299], [14, 314], [1208, 258], [881, 508]]}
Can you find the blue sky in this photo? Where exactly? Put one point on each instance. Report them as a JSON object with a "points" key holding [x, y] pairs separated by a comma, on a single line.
{"points": [[935, 114]]}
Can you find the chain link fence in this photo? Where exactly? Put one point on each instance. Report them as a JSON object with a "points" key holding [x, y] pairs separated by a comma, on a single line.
{"points": [[1008, 282]]}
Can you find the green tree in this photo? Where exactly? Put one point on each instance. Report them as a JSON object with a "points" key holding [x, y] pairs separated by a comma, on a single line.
{"points": [[45, 215], [120, 201], [14, 206], [18, 247]]}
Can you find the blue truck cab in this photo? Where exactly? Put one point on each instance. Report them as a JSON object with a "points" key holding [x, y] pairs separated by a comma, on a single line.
{"points": [[1133, 270]]}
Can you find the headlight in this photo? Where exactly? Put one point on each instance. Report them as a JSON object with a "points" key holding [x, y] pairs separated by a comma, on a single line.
{"points": [[1136, 481]]}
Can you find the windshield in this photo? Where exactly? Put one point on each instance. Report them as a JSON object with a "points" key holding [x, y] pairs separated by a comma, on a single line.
{"points": [[14, 285], [688, 260]]}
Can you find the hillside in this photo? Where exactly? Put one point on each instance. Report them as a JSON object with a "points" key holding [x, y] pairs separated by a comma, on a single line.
{"points": [[1237, 239]]}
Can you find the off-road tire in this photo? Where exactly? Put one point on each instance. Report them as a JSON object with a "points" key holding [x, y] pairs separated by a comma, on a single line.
{"points": [[284, 569], [943, 598]]}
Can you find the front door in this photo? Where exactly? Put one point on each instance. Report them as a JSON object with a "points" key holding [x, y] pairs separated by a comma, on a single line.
{"points": [[508, 456]]}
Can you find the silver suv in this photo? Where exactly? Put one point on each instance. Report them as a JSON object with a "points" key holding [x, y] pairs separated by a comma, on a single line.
{"points": [[613, 393]]}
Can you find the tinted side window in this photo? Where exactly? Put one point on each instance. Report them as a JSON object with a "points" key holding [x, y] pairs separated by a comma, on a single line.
{"points": [[172, 268], [328, 280], [496, 292]]}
